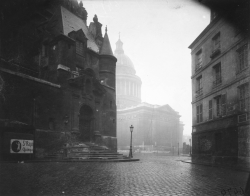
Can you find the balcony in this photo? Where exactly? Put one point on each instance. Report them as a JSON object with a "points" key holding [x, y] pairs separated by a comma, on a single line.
{"points": [[198, 66], [199, 92], [215, 52], [217, 82]]}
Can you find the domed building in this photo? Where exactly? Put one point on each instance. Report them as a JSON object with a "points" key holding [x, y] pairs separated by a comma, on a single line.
{"points": [[128, 84], [155, 127]]}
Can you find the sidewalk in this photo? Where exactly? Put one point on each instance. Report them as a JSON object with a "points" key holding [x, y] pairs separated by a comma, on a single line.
{"points": [[235, 167]]}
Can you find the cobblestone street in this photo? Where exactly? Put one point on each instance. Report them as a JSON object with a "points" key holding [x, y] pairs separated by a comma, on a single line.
{"points": [[152, 175]]}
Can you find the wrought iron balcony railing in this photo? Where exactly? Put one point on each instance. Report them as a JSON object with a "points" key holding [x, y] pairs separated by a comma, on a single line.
{"points": [[217, 82], [199, 92], [215, 52], [198, 66]]}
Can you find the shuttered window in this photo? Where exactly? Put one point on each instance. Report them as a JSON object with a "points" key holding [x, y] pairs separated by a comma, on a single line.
{"points": [[210, 109], [223, 105], [244, 104], [199, 116], [242, 58]]}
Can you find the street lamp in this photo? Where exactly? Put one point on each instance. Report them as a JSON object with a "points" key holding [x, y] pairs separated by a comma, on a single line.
{"points": [[130, 150], [190, 146], [178, 149]]}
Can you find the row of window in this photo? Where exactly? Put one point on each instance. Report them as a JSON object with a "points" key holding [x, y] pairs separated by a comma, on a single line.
{"points": [[242, 55], [219, 104], [217, 79]]}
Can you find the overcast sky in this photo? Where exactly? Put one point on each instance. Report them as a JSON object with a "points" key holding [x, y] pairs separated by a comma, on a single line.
{"points": [[156, 35]]}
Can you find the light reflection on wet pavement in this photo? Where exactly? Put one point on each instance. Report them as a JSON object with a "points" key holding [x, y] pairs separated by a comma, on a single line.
{"points": [[152, 175]]}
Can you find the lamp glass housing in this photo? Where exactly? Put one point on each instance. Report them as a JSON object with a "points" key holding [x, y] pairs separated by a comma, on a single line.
{"points": [[131, 128]]}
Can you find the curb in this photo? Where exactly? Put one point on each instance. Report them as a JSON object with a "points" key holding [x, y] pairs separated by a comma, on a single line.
{"points": [[220, 166], [80, 160]]}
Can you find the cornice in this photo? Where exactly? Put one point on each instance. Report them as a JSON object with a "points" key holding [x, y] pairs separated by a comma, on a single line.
{"points": [[210, 25], [30, 78]]}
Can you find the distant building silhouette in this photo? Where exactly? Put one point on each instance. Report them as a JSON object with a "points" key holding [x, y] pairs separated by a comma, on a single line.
{"points": [[155, 127]]}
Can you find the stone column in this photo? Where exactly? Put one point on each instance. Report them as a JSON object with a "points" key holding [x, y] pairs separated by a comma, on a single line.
{"points": [[125, 87], [132, 88], [136, 90], [140, 91]]}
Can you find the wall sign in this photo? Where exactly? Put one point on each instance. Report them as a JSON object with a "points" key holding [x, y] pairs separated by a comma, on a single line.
{"points": [[21, 146]]}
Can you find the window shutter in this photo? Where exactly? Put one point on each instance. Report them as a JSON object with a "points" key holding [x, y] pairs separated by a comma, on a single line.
{"points": [[210, 106], [223, 104], [197, 114], [201, 117]]}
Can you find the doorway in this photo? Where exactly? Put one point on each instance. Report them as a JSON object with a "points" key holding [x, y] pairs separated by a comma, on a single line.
{"points": [[85, 123]]}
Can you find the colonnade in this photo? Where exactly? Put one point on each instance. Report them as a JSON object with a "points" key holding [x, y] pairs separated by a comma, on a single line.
{"points": [[131, 88]]}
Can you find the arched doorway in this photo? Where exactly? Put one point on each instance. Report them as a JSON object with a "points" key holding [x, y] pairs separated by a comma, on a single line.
{"points": [[85, 123]]}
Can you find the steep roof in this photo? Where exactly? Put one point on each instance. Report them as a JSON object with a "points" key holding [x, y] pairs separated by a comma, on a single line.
{"points": [[106, 47], [71, 22]]}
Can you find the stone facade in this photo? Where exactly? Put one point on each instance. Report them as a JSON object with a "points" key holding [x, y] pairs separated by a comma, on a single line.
{"points": [[155, 127], [58, 74], [220, 90]]}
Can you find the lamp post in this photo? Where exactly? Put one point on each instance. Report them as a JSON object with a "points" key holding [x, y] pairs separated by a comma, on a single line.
{"points": [[130, 150], [190, 146], [178, 149]]}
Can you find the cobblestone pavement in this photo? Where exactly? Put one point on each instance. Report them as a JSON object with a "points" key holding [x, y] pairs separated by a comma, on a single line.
{"points": [[152, 175]]}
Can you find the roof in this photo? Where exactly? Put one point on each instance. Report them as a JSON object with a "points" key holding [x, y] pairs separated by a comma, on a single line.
{"points": [[73, 23], [106, 47], [122, 58], [164, 108], [210, 25]]}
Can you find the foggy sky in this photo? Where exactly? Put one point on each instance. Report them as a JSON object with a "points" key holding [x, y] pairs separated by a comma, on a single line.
{"points": [[156, 35]]}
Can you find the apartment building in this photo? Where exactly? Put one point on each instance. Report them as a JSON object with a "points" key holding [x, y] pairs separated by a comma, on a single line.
{"points": [[220, 92]]}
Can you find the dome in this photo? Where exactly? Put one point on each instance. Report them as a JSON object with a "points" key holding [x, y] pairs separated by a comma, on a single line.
{"points": [[124, 60], [124, 63], [128, 84]]}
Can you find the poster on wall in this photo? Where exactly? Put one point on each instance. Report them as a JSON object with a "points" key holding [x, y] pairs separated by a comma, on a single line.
{"points": [[21, 146]]}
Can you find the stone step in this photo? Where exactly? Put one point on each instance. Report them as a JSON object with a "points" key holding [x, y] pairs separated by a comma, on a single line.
{"points": [[73, 155], [95, 153], [94, 158], [86, 155], [86, 151]]}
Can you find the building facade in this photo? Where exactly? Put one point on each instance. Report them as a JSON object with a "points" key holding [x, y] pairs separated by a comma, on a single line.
{"points": [[57, 74], [155, 127], [220, 91]]}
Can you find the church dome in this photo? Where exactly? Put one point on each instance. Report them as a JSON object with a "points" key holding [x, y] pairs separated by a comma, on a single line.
{"points": [[124, 60], [128, 84], [124, 65]]}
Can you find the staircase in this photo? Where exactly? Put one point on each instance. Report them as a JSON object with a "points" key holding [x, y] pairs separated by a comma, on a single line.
{"points": [[86, 151]]}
